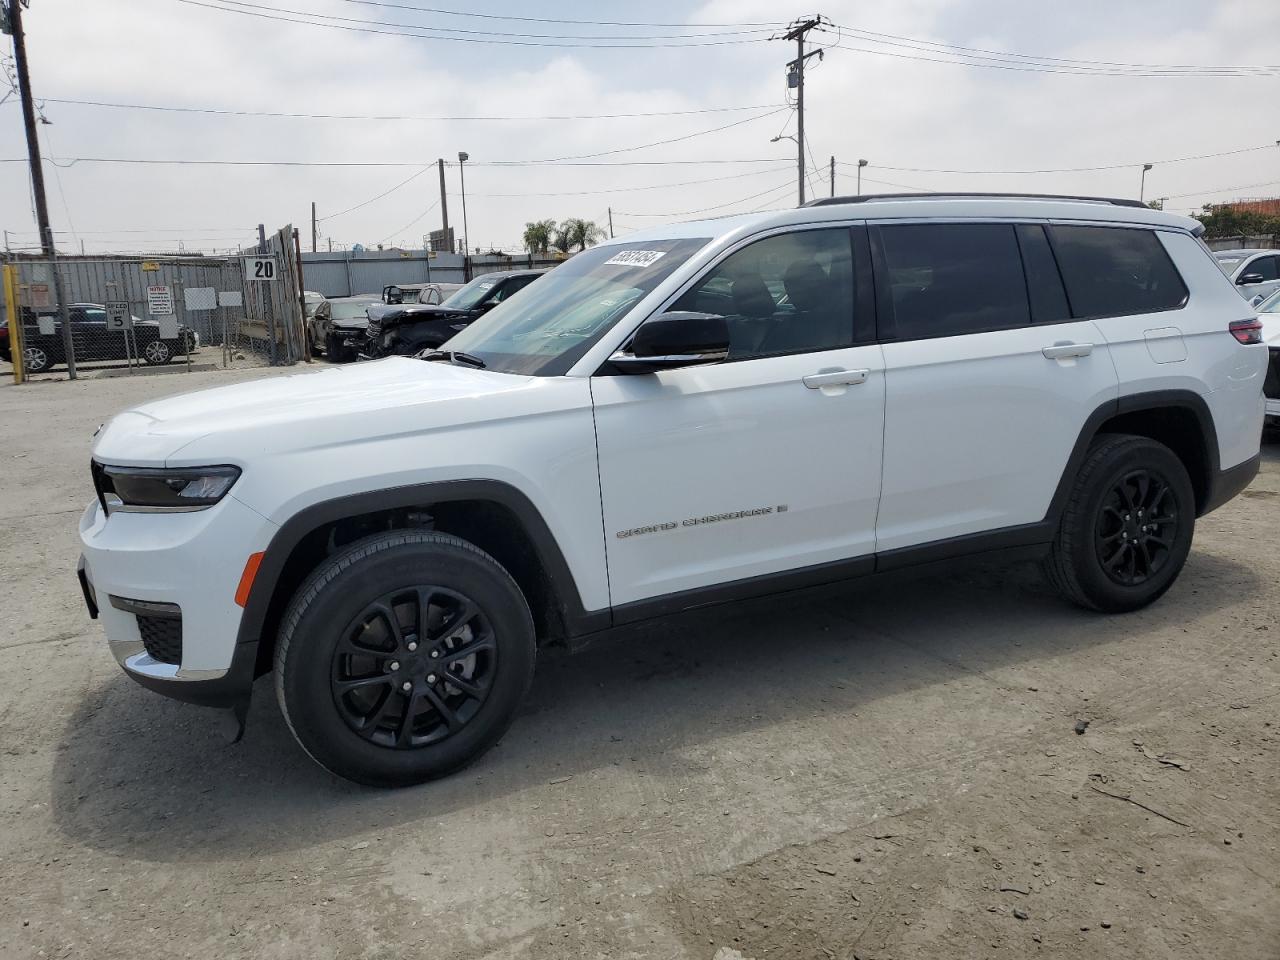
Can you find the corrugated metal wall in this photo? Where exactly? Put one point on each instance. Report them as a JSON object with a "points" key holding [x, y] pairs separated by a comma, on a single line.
{"points": [[347, 274]]}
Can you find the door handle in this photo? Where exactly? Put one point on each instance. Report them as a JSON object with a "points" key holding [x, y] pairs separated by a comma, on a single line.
{"points": [[832, 378], [1064, 350]]}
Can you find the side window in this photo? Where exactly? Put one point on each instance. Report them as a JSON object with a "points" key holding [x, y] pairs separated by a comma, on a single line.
{"points": [[95, 316], [1264, 266], [790, 293], [511, 286], [1044, 283], [1116, 271], [948, 279]]}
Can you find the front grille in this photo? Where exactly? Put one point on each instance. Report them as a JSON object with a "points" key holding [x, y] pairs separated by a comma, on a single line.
{"points": [[162, 638], [1271, 387]]}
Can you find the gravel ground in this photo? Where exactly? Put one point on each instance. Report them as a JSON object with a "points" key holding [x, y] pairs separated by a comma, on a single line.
{"points": [[890, 770]]}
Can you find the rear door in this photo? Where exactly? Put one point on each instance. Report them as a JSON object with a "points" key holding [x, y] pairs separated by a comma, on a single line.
{"points": [[989, 380]]}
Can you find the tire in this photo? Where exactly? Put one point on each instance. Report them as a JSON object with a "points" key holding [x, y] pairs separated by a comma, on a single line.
{"points": [[157, 352], [1127, 527], [329, 636], [36, 359]]}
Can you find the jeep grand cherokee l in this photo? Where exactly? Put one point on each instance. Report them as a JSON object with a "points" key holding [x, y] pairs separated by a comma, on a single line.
{"points": [[696, 414]]}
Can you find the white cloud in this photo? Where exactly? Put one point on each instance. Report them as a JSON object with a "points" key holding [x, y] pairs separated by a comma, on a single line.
{"points": [[895, 112]]}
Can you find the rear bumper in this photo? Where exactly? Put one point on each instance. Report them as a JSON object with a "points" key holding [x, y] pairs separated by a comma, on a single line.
{"points": [[1230, 482]]}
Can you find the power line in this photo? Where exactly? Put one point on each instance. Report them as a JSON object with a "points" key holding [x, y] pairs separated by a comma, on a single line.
{"points": [[1022, 68], [1203, 193], [919, 44], [467, 30], [350, 27], [219, 111], [1108, 166], [718, 206], [592, 23], [144, 161], [365, 203], [410, 223]]}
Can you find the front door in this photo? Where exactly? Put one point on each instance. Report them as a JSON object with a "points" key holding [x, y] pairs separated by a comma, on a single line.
{"points": [[766, 463]]}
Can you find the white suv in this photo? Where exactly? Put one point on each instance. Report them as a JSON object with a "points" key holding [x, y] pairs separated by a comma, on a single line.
{"points": [[696, 414]]}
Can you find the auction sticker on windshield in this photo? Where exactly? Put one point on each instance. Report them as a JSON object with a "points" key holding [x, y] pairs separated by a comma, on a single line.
{"points": [[636, 258]]}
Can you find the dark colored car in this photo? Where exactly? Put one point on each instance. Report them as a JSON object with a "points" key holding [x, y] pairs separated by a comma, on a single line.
{"points": [[412, 328], [338, 326], [91, 339]]}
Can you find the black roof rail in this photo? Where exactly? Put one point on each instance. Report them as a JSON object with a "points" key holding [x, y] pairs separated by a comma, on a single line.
{"points": [[868, 197]]}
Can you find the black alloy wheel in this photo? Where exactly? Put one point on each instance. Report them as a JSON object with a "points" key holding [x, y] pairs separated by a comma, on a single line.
{"points": [[414, 667], [1137, 527]]}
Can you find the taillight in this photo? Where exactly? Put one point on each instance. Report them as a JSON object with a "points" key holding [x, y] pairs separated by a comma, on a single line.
{"points": [[1246, 331]]}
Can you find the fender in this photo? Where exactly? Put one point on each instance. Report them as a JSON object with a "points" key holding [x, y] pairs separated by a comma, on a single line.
{"points": [[1134, 403], [578, 621]]}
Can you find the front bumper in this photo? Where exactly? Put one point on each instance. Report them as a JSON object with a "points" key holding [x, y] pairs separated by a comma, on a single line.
{"points": [[191, 560]]}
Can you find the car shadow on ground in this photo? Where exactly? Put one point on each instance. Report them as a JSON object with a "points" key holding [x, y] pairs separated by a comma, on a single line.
{"points": [[155, 780]]}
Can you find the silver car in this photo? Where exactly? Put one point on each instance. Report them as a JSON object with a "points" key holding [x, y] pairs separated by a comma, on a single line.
{"points": [[1256, 273]]}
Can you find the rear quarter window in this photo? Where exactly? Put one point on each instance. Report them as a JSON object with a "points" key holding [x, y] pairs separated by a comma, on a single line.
{"points": [[1116, 271]]}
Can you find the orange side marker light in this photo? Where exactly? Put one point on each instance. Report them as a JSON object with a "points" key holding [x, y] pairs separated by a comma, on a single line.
{"points": [[246, 579]]}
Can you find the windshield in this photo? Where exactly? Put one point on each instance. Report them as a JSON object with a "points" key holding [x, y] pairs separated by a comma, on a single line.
{"points": [[349, 309], [471, 295], [557, 318], [1271, 304], [1228, 261]]}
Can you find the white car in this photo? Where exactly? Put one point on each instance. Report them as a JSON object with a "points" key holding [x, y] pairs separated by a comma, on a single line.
{"points": [[1256, 273], [696, 414], [1269, 314]]}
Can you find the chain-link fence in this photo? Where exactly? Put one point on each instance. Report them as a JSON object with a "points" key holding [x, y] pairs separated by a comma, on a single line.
{"points": [[133, 313]]}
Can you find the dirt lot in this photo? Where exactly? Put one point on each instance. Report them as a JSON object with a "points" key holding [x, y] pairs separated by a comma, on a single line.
{"points": [[888, 771]]}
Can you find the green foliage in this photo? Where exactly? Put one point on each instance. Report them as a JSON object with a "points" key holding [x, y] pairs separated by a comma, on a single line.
{"points": [[1224, 221], [539, 236]]}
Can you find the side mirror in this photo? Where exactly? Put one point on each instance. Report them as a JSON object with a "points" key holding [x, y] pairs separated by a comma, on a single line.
{"points": [[676, 339], [1250, 278]]}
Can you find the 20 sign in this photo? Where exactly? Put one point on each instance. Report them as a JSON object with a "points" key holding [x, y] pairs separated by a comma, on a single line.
{"points": [[262, 268]]}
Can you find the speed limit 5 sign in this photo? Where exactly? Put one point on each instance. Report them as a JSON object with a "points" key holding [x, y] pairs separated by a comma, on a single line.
{"points": [[261, 268]]}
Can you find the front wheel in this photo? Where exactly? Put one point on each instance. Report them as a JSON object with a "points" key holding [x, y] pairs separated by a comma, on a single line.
{"points": [[1127, 527], [403, 658], [157, 352], [36, 359]]}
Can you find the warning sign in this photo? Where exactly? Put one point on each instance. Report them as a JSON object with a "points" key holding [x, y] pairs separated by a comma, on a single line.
{"points": [[160, 301]]}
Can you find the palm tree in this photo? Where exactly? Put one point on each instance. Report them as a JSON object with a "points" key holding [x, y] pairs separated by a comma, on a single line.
{"points": [[576, 232], [538, 236]]}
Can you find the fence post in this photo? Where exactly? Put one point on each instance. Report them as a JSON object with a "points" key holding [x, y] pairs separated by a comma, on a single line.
{"points": [[16, 332]]}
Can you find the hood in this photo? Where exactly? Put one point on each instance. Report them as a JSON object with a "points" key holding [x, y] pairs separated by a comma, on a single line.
{"points": [[235, 424], [418, 312]]}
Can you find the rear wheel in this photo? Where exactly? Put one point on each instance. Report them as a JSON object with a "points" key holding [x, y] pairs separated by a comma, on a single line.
{"points": [[1127, 527], [403, 658]]}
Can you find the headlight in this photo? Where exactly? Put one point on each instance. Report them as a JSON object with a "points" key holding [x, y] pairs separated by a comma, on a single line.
{"points": [[159, 490]]}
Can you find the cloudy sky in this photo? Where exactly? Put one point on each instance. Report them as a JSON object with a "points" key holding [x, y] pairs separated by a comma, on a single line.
{"points": [[919, 88]]}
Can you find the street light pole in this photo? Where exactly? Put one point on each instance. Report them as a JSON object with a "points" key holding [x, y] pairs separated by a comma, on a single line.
{"points": [[1142, 185], [466, 234], [861, 164]]}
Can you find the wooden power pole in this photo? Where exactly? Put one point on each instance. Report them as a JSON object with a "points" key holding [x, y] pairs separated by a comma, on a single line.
{"points": [[14, 20]]}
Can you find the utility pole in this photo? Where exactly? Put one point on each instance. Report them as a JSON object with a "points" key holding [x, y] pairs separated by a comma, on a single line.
{"points": [[1142, 184], [861, 164], [444, 204], [463, 157], [795, 78], [833, 176], [313, 226], [611, 223], [14, 19]]}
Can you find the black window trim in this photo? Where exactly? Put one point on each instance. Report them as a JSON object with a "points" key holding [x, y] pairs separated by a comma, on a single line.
{"points": [[864, 334], [1053, 244]]}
